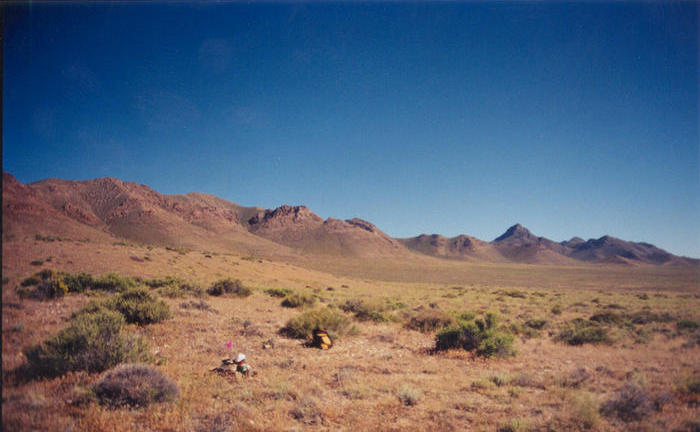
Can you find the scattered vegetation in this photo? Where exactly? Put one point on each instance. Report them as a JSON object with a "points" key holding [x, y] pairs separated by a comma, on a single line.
{"points": [[135, 385], [580, 331], [480, 335], [229, 286], [298, 299], [278, 292], [92, 342], [376, 310], [303, 325], [430, 320]]}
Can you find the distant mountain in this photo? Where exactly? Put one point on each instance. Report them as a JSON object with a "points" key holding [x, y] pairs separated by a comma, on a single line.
{"points": [[300, 228], [107, 209], [462, 247], [518, 244]]}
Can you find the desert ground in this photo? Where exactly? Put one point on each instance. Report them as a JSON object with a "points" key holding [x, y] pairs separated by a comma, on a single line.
{"points": [[382, 373]]}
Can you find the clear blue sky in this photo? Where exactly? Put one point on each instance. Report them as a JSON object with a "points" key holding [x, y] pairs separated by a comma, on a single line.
{"points": [[572, 119]]}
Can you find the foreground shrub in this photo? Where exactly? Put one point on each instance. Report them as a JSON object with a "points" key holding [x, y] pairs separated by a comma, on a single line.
{"points": [[228, 286], [429, 321], [303, 325], [139, 306], [298, 300], [632, 402], [135, 385], [580, 331], [92, 342], [479, 335]]}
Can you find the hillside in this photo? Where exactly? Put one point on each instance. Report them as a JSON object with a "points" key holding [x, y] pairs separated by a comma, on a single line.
{"points": [[108, 209]]}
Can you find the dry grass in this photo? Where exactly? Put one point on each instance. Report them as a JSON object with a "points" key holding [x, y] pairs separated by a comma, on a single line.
{"points": [[364, 381]]}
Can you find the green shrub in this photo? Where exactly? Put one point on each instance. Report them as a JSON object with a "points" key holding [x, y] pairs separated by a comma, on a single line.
{"points": [[580, 331], [37, 262], [92, 342], [298, 300], [303, 325], [31, 281], [181, 290], [278, 292], [228, 286], [114, 282], [646, 317], [79, 283], [139, 307], [479, 335], [135, 385], [536, 324], [157, 283], [686, 324], [608, 318], [556, 309], [429, 321]]}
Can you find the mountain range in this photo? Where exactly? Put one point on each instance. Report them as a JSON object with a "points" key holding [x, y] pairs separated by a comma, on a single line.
{"points": [[106, 209]]}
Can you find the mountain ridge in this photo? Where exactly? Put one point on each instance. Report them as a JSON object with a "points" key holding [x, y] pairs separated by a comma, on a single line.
{"points": [[108, 208]]}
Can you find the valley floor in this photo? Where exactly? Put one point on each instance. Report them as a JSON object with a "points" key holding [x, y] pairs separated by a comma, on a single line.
{"points": [[382, 375]]}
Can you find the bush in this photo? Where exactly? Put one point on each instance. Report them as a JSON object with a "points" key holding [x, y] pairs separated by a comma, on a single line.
{"points": [[79, 283], [181, 290], [580, 331], [158, 283], [608, 318], [228, 286], [686, 324], [409, 396], [92, 342], [31, 281], [632, 402], [278, 292], [139, 307], [49, 284], [536, 324], [646, 317], [479, 335], [135, 385], [114, 282], [429, 321], [298, 300], [556, 309], [367, 311], [303, 325]]}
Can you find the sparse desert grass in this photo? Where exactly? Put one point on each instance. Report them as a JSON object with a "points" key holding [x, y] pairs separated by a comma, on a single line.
{"points": [[355, 384]]}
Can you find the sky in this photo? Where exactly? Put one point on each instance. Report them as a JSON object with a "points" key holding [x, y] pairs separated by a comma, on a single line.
{"points": [[573, 119]]}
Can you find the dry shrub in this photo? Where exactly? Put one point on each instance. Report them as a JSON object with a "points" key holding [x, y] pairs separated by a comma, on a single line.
{"points": [[631, 402], [409, 396], [299, 300], [303, 325], [135, 385], [579, 331], [376, 311], [430, 320], [199, 305], [229, 286], [306, 411]]}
